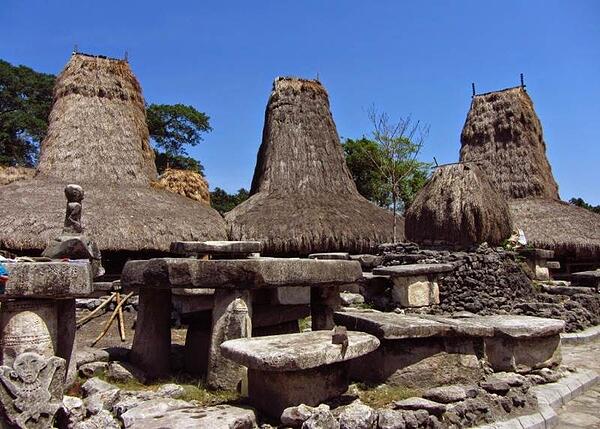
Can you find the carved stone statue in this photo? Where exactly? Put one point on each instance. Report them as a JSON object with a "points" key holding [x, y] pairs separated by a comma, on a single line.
{"points": [[74, 194], [31, 391]]}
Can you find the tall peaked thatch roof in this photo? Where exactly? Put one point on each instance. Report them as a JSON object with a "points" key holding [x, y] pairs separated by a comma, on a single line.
{"points": [[97, 138], [552, 224], [504, 135], [460, 206], [303, 198]]}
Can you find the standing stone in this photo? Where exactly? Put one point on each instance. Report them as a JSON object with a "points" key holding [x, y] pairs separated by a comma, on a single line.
{"points": [[417, 291], [65, 347], [323, 303], [231, 320], [28, 326], [151, 348], [197, 343], [31, 390]]}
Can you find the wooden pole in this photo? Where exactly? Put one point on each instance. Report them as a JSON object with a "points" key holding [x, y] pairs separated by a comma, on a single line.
{"points": [[96, 311], [120, 318], [112, 318]]}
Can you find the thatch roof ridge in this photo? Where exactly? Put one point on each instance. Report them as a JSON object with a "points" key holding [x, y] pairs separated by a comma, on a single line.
{"points": [[504, 135], [458, 206], [97, 127], [303, 199], [556, 225], [482, 94]]}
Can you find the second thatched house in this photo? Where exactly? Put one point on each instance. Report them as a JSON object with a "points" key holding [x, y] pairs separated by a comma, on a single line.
{"points": [[303, 198], [503, 135], [98, 138]]}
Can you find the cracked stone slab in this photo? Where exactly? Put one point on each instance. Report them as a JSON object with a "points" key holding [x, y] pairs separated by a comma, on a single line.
{"points": [[257, 273], [521, 326], [293, 352], [413, 270], [48, 280]]}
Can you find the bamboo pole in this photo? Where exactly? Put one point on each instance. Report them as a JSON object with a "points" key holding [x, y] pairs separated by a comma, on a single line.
{"points": [[112, 318], [120, 318], [96, 311]]}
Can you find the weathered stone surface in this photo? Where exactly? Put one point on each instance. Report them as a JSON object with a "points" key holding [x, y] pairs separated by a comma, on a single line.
{"points": [[31, 389], [92, 369], [416, 403], [76, 247], [462, 326], [28, 325], [66, 329], [294, 416], [322, 419], [103, 400], [90, 354], [446, 394], [291, 295], [553, 265], [495, 385], [48, 280], [523, 354], [123, 372], [192, 303], [180, 416], [73, 411], [296, 351], [103, 420], [270, 315], [324, 301], [410, 270], [415, 291], [349, 299], [331, 256], [367, 262], [170, 390], [390, 419], [231, 320], [95, 385], [238, 273], [521, 326], [586, 278], [358, 416], [391, 325], [215, 247]]}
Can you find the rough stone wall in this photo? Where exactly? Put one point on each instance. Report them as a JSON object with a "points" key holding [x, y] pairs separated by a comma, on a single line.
{"points": [[493, 281]]}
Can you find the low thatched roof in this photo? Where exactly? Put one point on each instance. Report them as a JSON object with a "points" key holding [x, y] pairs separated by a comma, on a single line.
{"points": [[186, 183], [13, 174], [303, 199], [97, 138], [552, 224], [458, 206], [504, 136]]}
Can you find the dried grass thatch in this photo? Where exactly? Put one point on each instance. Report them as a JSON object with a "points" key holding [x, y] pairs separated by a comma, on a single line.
{"points": [[504, 136], [97, 128], [458, 206], [98, 139], [184, 182], [13, 174], [552, 224], [303, 198]]}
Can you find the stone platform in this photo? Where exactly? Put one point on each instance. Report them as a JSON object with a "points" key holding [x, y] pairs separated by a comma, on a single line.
{"points": [[293, 369]]}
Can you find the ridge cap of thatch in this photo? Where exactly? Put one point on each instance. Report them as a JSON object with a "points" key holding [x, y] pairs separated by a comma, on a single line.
{"points": [[99, 56], [481, 94], [296, 83]]}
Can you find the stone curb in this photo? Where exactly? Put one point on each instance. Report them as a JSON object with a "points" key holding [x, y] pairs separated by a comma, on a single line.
{"points": [[585, 336], [551, 397]]}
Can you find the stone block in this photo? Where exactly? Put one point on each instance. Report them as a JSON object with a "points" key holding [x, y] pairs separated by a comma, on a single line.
{"points": [[291, 295], [188, 248], [522, 354], [48, 280], [413, 270], [521, 326], [336, 256], [188, 304], [415, 291]]}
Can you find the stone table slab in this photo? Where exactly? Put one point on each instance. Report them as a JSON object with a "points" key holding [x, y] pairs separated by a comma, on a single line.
{"points": [[333, 256], [215, 247], [586, 278], [521, 326], [294, 352], [413, 270], [53, 280], [391, 326], [165, 273]]}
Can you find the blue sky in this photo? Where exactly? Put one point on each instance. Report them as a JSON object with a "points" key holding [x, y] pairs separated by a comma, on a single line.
{"points": [[406, 58]]}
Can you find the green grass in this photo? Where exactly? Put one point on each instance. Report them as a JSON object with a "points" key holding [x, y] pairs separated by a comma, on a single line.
{"points": [[305, 323], [381, 395]]}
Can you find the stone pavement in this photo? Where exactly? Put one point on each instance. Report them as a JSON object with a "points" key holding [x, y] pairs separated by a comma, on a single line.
{"points": [[584, 411]]}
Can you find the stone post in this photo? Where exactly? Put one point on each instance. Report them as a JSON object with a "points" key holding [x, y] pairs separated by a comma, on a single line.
{"points": [[323, 303]]}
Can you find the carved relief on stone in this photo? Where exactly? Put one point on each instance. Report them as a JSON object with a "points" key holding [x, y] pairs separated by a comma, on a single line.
{"points": [[31, 391]]}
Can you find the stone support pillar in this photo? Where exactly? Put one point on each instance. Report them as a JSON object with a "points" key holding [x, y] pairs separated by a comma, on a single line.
{"points": [[323, 303]]}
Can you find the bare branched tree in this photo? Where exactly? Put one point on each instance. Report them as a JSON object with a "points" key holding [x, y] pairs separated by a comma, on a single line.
{"points": [[400, 143]]}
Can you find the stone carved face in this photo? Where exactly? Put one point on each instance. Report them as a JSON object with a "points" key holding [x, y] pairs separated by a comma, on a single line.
{"points": [[74, 193], [28, 366]]}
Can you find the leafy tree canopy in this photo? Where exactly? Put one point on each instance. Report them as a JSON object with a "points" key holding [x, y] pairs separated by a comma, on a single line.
{"points": [[163, 161], [581, 203], [25, 103], [172, 127], [223, 202]]}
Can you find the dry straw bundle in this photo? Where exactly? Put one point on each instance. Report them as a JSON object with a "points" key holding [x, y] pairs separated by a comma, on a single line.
{"points": [[13, 174], [303, 198], [183, 182], [458, 206], [97, 137]]}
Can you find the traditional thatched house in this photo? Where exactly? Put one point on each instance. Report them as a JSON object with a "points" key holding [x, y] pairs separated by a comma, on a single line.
{"points": [[303, 198], [184, 182], [458, 206], [503, 135], [97, 138]]}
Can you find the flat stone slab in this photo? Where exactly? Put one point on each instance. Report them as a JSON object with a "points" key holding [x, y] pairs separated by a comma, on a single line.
{"points": [[48, 280], [257, 273], [218, 247], [392, 326], [521, 326], [413, 270], [586, 278], [538, 253], [335, 256], [294, 352]]}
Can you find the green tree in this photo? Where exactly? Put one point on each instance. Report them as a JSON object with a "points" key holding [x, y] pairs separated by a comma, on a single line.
{"points": [[581, 203], [172, 127], [223, 202], [163, 161], [25, 103]]}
